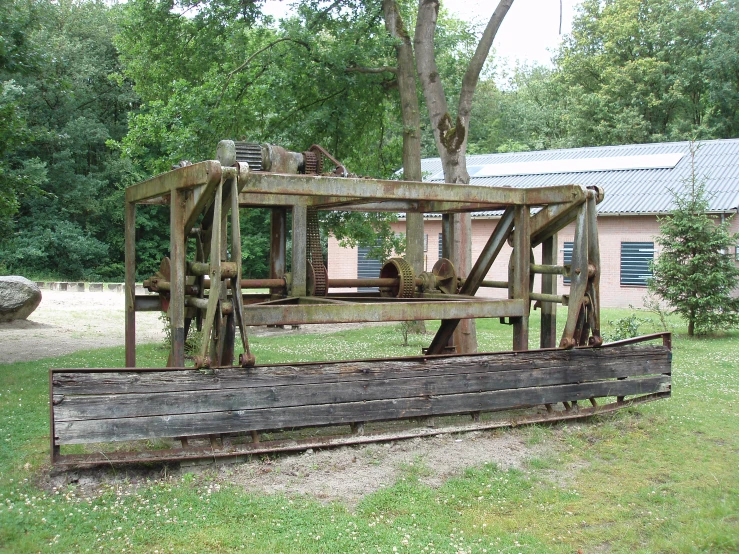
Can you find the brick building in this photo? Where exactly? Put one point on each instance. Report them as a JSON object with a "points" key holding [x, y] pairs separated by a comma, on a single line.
{"points": [[637, 180]]}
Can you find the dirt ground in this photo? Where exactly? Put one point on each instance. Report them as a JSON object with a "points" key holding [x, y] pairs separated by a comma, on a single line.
{"points": [[66, 322], [348, 473]]}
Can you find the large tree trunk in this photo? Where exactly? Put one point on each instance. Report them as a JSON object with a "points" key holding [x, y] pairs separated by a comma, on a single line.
{"points": [[451, 135], [406, 77]]}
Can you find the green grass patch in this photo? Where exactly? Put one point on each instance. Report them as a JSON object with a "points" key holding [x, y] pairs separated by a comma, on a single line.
{"points": [[660, 478]]}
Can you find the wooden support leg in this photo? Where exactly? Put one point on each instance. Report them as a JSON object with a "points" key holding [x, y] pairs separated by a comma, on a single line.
{"points": [[130, 284], [548, 337], [521, 275], [300, 229], [476, 276], [213, 310], [465, 335], [447, 242], [278, 245], [177, 278], [579, 280], [594, 260]]}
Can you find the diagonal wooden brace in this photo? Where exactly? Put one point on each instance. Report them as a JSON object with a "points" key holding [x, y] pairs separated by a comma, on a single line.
{"points": [[477, 274]]}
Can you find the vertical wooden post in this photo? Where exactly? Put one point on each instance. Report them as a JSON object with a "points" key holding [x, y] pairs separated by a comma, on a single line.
{"points": [[300, 228], [130, 287], [177, 278], [447, 251], [278, 244], [414, 238], [447, 237], [521, 276], [578, 281], [548, 337], [465, 335]]}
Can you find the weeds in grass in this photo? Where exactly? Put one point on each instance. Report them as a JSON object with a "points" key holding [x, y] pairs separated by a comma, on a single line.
{"points": [[625, 328]]}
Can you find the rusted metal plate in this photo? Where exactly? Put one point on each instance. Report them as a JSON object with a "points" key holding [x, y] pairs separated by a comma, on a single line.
{"points": [[376, 189], [416, 309], [182, 178]]}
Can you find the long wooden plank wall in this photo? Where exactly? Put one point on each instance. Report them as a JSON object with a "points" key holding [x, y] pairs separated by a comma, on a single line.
{"points": [[106, 406]]}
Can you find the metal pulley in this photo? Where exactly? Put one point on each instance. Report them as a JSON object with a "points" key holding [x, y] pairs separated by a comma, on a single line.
{"points": [[445, 276], [401, 270]]}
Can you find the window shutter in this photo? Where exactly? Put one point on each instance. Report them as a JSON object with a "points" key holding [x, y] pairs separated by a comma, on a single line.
{"points": [[635, 258]]}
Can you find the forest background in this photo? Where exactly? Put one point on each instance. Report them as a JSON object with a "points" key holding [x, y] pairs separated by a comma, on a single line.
{"points": [[95, 97]]}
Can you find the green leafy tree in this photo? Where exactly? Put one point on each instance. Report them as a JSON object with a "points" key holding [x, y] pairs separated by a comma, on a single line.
{"points": [[632, 71], [694, 273], [71, 98], [295, 84], [20, 174], [635, 70]]}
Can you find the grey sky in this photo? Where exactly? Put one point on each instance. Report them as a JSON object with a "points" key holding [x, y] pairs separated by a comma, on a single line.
{"points": [[529, 33]]}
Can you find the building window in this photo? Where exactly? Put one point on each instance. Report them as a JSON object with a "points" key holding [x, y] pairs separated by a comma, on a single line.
{"points": [[635, 261], [567, 258], [441, 245], [367, 268]]}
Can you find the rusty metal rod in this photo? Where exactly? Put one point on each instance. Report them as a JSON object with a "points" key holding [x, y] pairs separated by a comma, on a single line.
{"points": [[254, 283], [228, 269], [549, 269], [202, 303], [556, 298], [367, 282], [494, 284], [332, 283]]}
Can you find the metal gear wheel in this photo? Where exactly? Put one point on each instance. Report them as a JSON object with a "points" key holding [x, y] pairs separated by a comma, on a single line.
{"points": [[398, 268]]}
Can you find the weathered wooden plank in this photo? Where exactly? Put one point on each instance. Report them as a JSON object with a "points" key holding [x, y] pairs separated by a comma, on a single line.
{"points": [[73, 382], [342, 389], [322, 441], [120, 429]]}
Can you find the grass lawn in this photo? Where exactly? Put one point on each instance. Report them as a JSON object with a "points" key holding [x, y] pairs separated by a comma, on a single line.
{"points": [[660, 478]]}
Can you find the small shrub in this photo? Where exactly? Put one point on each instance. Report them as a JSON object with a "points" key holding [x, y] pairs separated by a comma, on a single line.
{"points": [[652, 304], [405, 328], [625, 328], [194, 337]]}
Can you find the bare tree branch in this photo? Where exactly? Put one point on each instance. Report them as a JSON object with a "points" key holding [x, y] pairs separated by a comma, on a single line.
{"points": [[254, 55], [472, 75], [428, 73], [311, 104], [383, 69]]}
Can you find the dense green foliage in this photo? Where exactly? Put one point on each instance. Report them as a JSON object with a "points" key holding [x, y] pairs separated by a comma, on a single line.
{"points": [[62, 85], [94, 98], [632, 71], [694, 272]]}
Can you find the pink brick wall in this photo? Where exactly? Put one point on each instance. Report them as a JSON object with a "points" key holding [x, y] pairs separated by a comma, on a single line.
{"points": [[613, 230]]}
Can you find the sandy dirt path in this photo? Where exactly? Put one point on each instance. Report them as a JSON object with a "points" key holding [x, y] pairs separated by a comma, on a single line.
{"points": [[66, 322]]}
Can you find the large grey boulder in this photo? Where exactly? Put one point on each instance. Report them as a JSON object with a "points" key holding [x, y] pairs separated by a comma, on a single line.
{"points": [[18, 298]]}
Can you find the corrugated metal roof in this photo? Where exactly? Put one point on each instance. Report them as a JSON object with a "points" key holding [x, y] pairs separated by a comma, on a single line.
{"points": [[627, 191]]}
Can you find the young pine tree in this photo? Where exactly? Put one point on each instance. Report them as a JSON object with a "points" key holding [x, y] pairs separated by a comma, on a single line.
{"points": [[694, 273]]}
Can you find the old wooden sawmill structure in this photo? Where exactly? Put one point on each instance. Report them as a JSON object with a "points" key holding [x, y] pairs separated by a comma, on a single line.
{"points": [[216, 408]]}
